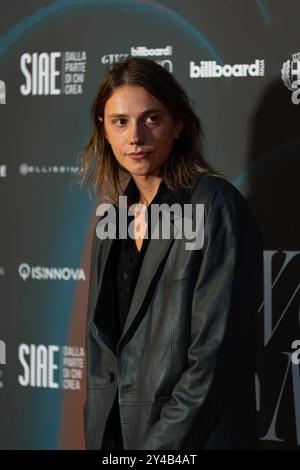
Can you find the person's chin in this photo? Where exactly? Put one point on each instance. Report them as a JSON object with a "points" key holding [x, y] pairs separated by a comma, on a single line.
{"points": [[140, 172], [139, 167]]}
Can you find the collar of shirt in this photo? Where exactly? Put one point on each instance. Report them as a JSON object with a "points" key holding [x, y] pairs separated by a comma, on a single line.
{"points": [[164, 195]]}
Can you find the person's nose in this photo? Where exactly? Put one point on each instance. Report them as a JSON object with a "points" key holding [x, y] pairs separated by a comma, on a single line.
{"points": [[136, 134]]}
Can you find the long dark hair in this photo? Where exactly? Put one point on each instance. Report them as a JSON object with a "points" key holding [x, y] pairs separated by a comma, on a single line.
{"points": [[98, 165]]}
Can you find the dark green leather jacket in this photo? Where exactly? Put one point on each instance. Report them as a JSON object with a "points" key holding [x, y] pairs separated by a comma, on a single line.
{"points": [[185, 362]]}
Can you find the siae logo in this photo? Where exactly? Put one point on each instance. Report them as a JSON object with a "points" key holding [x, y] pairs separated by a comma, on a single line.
{"points": [[53, 73], [41, 73], [51, 366], [40, 366]]}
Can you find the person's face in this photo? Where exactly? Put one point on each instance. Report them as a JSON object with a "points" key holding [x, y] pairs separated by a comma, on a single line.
{"points": [[139, 129]]}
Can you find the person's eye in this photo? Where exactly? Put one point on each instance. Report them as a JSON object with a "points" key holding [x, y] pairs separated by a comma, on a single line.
{"points": [[119, 121], [153, 119]]}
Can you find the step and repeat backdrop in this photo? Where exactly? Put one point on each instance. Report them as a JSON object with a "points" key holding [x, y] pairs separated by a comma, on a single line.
{"points": [[239, 61]]}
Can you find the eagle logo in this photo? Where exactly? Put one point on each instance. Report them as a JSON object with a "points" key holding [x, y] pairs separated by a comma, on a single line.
{"points": [[285, 75]]}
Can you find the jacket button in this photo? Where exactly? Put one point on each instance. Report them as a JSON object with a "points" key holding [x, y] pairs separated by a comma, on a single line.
{"points": [[111, 377]]}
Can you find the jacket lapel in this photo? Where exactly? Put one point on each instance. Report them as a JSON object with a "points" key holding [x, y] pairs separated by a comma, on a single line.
{"points": [[155, 255], [156, 252], [105, 249]]}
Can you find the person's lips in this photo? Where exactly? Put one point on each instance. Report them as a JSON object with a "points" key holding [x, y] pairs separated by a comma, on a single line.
{"points": [[138, 155]]}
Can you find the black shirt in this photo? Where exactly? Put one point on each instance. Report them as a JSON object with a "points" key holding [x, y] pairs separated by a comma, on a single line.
{"points": [[125, 265], [127, 259]]}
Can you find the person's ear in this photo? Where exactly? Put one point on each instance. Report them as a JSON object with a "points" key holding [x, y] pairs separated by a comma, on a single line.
{"points": [[101, 122], [105, 137], [177, 129]]}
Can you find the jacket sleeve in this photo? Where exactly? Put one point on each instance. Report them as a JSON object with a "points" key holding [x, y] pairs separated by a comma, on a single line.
{"points": [[221, 354]]}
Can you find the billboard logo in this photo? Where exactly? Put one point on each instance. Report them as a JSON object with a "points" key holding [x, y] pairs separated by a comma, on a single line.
{"points": [[142, 51], [2, 92], [165, 54], [210, 69], [290, 74]]}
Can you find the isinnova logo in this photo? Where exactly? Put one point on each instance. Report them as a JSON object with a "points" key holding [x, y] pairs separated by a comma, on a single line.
{"points": [[43, 273]]}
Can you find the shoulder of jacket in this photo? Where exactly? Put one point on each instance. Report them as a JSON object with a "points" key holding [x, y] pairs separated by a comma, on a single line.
{"points": [[215, 192], [211, 189]]}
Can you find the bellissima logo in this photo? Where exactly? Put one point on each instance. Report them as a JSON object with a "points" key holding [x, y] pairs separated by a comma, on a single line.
{"points": [[51, 366], [2, 92], [42, 273], [53, 73], [181, 222], [210, 69], [290, 74], [26, 169]]}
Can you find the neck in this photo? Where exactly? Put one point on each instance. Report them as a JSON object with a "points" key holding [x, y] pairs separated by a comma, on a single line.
{"points": [[147, 186]]}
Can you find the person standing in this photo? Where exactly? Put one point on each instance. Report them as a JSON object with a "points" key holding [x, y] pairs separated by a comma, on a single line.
{"points": [[171, 329]]}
